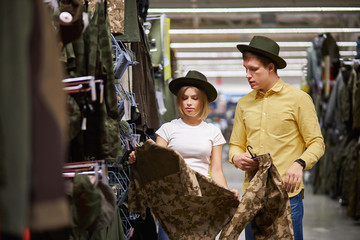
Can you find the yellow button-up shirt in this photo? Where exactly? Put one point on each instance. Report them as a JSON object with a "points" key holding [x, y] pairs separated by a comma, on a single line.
{"points": [[282, 122]]}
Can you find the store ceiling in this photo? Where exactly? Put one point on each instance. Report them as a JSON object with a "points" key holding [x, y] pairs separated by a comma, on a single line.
{"points": [[221, 62]]}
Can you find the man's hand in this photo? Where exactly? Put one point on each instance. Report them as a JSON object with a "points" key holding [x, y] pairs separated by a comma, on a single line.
{"points": [[293, 177], [245, 162]]}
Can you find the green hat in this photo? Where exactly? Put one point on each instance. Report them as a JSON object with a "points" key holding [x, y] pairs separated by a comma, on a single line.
{"points": [[264, 46], [195, 79]]}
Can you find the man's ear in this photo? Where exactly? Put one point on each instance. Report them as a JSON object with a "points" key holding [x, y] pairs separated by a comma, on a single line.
{"points": [[271, 67]]}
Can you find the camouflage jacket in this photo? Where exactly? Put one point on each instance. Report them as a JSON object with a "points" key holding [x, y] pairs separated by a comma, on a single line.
{"points": [[187, 204], [265, 203], [190, 206]]}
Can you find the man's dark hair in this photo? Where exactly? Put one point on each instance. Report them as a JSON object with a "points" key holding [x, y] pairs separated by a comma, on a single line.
{"points": [[263, 59]]}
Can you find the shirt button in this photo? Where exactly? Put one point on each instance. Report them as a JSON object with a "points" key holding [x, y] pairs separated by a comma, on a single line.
{"points": [[262, 130], [264, 114]]}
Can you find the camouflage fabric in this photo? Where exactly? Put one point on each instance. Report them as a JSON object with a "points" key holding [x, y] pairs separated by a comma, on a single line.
{"points": [[187, 204], [353, 210], [346, 169], [356, 100], [265, 203], [91, 54]]}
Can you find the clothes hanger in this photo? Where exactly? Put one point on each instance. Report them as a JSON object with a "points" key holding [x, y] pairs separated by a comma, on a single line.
{"points": [[96, 168], [253, 155]]}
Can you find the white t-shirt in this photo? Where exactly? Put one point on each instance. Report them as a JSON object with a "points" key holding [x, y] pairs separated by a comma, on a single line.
{"points": [[194, 143]]}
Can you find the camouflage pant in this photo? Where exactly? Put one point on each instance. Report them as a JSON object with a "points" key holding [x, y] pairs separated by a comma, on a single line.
{"points": [[265, 203], [187, 204]]}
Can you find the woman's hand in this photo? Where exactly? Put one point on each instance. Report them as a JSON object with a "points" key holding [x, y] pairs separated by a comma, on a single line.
{"points": [[132, 157], [236, 193]]}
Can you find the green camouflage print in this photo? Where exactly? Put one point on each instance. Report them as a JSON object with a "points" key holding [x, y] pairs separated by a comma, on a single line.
{"points": [[187, 204], [91, 55], [265, 203]]}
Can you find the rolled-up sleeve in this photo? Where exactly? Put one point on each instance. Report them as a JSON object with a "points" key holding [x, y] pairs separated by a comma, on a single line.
{"points": [[238, 136], [310, 130]]}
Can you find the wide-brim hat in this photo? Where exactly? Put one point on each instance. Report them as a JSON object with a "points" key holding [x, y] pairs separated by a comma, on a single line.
{"points": [[266, 47], [196, 79]]}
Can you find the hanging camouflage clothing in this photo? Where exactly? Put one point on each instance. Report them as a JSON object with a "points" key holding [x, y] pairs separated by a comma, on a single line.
{"points": [[187, 204], [91, 55], [265, 203]]}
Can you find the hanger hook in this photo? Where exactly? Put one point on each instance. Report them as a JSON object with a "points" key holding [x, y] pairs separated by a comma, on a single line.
{"points": [[252, 155]]}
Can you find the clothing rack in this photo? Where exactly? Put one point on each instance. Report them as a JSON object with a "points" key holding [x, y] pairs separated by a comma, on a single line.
{"points": [[96, 168]]}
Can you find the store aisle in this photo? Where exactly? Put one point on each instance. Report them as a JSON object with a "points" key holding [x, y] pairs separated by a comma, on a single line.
{"points": [[324, 217]]}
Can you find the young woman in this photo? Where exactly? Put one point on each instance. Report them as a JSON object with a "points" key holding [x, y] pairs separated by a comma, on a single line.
{"points": [[198, 142]]}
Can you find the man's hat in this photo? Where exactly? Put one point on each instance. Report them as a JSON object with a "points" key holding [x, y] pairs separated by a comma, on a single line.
{"points": [[196, 79], [264, 46]]}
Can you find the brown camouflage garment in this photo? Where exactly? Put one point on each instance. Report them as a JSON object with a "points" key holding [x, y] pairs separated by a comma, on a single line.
{"points": [[265, 203], [189, 205]]}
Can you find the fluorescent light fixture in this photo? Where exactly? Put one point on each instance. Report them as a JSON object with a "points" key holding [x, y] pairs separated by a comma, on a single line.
{"points": [[180, 55], [263, 30], [254, 10], [219, 66], [237, 61], [241, 73], [232, 54], [233, 44]]}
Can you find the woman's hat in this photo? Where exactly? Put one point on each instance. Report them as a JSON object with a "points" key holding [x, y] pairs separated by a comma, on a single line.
{"points": [[196, 79], [266, 47]]}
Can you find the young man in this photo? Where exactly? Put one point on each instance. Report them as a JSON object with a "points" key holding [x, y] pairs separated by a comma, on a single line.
{"points": [[275, 118]]}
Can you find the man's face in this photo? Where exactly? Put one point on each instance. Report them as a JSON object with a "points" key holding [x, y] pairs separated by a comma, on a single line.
{"points": [[257, 74]]}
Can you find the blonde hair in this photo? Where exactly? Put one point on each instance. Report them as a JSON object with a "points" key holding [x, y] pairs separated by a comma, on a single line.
{"points": [[204, 102]]}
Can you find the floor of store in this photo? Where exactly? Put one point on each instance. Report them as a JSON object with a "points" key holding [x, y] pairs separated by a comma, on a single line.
{"points": [[324, 217]]}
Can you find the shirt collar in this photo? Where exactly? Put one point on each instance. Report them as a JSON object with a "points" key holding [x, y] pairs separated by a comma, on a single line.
{"points": [[275, 89]]}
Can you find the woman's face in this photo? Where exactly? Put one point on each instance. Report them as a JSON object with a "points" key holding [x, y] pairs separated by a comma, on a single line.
{"points": [[190, 102]]}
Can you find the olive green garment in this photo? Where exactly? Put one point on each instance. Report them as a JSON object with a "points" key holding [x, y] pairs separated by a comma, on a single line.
{"points": [[15, 107], [265, 203], [91, 54], [131, 28], [93, 206], [95, 213], [187, 204], [356, 97], [33, 121], [347, 172], [353, 210]]}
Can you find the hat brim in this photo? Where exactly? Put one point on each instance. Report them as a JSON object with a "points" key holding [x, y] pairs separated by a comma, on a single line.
{"points": [[280, 62], [207, 87]]}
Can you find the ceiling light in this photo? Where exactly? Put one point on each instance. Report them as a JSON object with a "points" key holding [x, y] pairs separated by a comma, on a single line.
{"points": [[264, 30], [231, 61], [241, 73], [253, 10], [233, 44], [232, 54], [180, 55]]}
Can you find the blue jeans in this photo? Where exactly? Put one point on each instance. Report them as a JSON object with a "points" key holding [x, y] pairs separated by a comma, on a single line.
{"points": [[297, 213], [162, 234]]}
